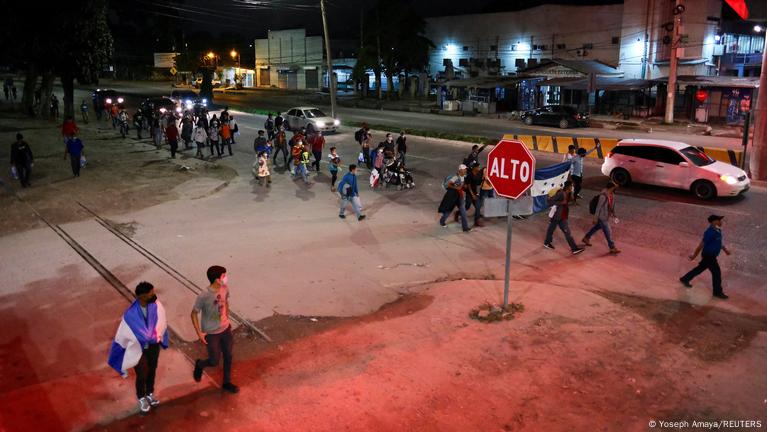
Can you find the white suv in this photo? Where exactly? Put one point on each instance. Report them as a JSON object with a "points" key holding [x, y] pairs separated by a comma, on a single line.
{"points": [[673, 164]]}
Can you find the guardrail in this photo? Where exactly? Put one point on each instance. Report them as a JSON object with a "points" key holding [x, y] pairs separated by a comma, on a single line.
{"points": [[559, 144]]}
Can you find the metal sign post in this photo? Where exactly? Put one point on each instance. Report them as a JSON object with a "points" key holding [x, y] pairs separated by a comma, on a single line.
{"points": [[511, 169], [508, 256]]}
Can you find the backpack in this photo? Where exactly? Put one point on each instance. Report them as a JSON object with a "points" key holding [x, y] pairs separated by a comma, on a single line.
{"points": [[593, 204], [446, 181], [358, 135]]}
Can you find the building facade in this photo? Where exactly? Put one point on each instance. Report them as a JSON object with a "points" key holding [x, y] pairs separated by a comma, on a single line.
{"points": [[289, 59]]}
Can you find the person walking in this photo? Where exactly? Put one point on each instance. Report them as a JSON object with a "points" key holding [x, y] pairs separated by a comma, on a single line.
{"points": [[13, 92], [157, 133], [473, 157], [334, 164], [559, 215], [709, 248], [213, 135], [279, 121], [171, 133], [260, 144], [210, 318], [142, 331], [365, 146], [69, 128], [200, 136], [474, 179], [84, 111], [187, 128], [350, 194], [261, 169], [74, 148], [226, 138], [22, 160], [6, 89], [305, 161], [235, 128], [54, 107], [281, 146], [576, 171], [318, 142], [402, 146], [603, 212], [138, 123], [269, 126], [455, 195]]}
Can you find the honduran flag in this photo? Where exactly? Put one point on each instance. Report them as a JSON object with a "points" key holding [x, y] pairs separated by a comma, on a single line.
{"points": [[547, 180], [135, 332]]}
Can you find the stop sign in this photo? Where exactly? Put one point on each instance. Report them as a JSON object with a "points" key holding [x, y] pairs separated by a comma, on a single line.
{"points": [[510, 168]]}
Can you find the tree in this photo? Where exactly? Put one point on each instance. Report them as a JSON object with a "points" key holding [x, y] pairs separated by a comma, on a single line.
{"points": [[394, 42]]}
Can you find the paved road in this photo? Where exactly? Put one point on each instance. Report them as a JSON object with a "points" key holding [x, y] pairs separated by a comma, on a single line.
{"points": [[471, 126]]}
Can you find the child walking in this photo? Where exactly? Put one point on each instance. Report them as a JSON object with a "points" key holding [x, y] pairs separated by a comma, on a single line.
{"points": [[334, 163]]}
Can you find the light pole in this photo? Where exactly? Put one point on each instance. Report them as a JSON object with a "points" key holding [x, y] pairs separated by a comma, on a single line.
{"points": [[331, 87], [235, 56]]}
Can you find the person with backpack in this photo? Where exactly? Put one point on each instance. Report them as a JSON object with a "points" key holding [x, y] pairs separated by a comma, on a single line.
{"points": [[602, 207], [281, 146], [559, 216], [269, 127], [350, 194], [455, 195], [74, 149]]}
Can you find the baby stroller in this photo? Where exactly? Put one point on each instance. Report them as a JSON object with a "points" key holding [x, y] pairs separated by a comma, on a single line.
{"points": [[395, 174]]}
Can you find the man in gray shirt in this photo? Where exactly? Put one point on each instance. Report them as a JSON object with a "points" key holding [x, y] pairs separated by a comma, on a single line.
{"points": [[210, 317]]}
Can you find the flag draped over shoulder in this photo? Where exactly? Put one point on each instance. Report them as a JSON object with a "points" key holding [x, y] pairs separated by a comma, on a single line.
{"points": [[547, 180], [135, 332]]}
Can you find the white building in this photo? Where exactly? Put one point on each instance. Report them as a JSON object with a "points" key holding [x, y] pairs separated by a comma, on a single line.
{"points": [[289, 59], [525, 38]]}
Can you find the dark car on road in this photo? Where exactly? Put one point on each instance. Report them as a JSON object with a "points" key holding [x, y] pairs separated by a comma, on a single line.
{"points": [[555, 115], [105, 98], [156, 106]]}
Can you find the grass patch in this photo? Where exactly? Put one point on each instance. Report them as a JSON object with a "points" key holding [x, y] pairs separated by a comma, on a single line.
{"points": [[431, 133]]}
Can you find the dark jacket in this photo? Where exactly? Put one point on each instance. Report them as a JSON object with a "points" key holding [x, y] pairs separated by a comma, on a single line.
{"points": [[21, 154], [351, 180]]}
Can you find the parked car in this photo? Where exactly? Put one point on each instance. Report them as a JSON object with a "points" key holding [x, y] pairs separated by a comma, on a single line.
{"points": [[108, 97], [158, 105], [673, 164], [555, 115], [302, 117]]}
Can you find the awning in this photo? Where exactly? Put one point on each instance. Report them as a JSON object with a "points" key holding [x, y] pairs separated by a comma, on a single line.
{"points": [[714, 81], [483, 82], [603, 83]]}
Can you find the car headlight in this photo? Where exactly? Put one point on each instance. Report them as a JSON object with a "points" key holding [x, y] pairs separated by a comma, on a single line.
{"points": [[320, 124], [188, 105], [162, 110], [120, 100], [178, 109], [204, 101], [109, 100], [188, 102], [730, 180], [337, 122]]}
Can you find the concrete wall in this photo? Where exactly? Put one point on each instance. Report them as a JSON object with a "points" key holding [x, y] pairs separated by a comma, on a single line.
{"points": [[516, 33], [289, 50]]}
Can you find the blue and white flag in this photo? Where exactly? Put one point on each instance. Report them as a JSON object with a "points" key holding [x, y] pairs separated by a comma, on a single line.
{"points": [[135, 332], [548, 179]]}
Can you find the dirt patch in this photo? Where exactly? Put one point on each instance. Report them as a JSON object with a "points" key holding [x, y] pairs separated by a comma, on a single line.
{"points": [[122, 175], [709, 333]]}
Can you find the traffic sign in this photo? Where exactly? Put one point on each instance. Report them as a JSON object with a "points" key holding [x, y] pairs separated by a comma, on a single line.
{"points": [[510, 168], [173, 70]]}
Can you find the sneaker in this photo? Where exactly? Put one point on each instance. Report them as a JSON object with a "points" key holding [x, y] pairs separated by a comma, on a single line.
{"points": [[685, 283], [548, 246], [342, 216], [143, 405], [579, 250], [722, 296], [231, 388], [614, 251], [467, 230], [361, 217], [152, 401], [443, 225], [586, 241], [197, 374]]}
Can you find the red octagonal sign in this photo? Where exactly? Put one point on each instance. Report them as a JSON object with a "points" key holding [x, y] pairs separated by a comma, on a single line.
{"points": [[510, 168]]}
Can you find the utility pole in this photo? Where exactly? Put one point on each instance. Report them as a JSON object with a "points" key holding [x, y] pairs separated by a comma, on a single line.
{"points": [[758, 162], [378, 53], [331, 83], [675, 41]]}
